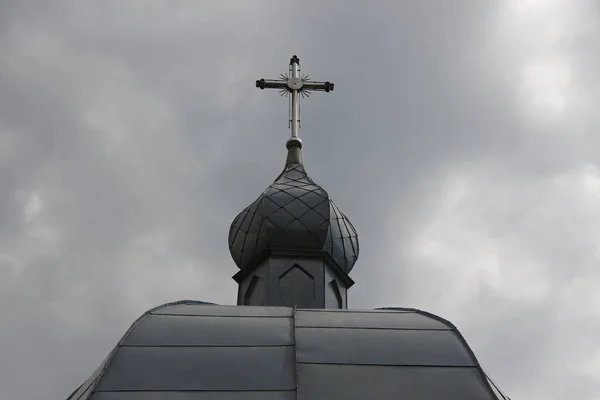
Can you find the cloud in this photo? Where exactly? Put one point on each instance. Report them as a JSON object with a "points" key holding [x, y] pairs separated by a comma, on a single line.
{"points": [[460, 140]]}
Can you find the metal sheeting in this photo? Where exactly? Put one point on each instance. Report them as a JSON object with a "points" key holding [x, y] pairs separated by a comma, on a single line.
{"points": [[356, 382], [367, 319], [201, 368], [224, 311], [169, 330], [195, 351], [293, 213], [380, 347]]}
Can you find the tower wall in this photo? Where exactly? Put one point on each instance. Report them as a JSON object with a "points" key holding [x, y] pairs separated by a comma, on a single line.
{"points": [[302, 282]]}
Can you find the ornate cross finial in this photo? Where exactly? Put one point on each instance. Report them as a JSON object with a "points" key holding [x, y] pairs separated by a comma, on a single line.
{"points": [[296, 85]]}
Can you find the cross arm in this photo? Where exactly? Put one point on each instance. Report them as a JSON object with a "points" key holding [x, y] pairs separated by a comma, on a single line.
{"points": [[271, 84], [317, 86]]}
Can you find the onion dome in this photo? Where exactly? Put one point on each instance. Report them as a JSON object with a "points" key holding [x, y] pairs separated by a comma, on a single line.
{"points": [[293, 214]]}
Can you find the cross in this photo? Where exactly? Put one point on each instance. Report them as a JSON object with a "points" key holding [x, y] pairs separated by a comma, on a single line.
{"points": [[296, 85]]}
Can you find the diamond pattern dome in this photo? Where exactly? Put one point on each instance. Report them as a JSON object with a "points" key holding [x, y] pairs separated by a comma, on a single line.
{"points": [[293, 213]]}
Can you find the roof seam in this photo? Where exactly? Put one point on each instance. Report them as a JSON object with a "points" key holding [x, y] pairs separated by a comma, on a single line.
{"points": [[194, 390], [388, 365], [296, 372], [461, 338], [224, 316], [377, 328], [154, 346], [111, 355]]}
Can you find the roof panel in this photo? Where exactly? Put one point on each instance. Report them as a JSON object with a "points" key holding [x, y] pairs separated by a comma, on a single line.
{"points": [[353, 382], [200, 368], [381, 347], [170, 330], [289, 395], [379, 319], [225, 311], [186, 350]]}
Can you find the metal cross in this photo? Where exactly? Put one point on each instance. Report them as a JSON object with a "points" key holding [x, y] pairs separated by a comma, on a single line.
{"points": [[296, 85]]}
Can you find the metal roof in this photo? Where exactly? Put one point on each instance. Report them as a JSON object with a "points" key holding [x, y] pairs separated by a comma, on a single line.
{"points": [[293, 213], [193, 350]]}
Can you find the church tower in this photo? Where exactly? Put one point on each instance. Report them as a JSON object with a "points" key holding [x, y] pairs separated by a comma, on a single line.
{"points": [[293, 246]]}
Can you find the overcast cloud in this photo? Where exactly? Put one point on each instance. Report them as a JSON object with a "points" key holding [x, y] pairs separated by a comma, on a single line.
{"points": [[462, 140]]}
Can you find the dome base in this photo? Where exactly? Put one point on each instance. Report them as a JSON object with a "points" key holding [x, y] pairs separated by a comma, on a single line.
{"points": [[292, 281]]}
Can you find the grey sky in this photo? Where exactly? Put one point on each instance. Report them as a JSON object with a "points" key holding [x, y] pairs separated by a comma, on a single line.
{"points": [[461, 140]]}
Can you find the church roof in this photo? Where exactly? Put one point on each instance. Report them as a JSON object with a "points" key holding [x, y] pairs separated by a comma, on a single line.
{"points": [[193, 350]]}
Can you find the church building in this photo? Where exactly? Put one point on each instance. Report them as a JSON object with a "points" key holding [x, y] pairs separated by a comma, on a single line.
{"points": [[291, 335]]}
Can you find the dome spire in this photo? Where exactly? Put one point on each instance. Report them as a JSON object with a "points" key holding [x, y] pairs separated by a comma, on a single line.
{"points": [[294, 85], [293, 246], [294, 155]]}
